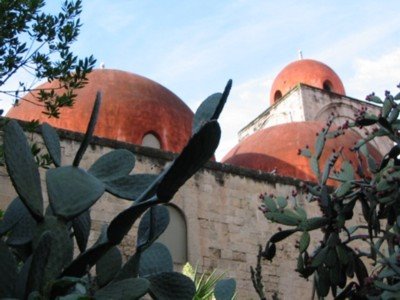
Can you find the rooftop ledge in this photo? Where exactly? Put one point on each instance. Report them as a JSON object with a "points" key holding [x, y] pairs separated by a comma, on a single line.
{"points": [[166, 156]]}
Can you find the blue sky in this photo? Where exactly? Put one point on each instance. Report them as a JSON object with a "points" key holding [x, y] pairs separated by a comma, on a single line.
{"points": [[194, 47]]}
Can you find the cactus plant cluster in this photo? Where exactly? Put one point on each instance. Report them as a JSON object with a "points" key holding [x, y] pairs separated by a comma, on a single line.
{"points": [[37, 258], [361, 261], [42, 158]]}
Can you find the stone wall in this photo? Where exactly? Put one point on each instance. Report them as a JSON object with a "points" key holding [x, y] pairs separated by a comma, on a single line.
{"points": [[220, 204], [319, 105], [287, 109]]}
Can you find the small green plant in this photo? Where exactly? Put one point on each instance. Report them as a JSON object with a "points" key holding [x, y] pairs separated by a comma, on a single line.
{"points": [[37, 244], [339, 264], [209, 285]]}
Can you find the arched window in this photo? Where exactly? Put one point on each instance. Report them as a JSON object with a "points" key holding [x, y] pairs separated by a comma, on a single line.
{"points": [[277, 95], [175, 236], [151, 140], [327, 86]]}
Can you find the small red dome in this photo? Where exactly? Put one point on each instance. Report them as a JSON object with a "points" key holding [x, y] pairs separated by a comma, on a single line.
{"points": [[132, 107], [307, 71], [277, 148]]}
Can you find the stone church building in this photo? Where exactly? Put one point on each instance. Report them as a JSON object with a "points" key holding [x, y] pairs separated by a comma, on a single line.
{"points": [[215, 221]]}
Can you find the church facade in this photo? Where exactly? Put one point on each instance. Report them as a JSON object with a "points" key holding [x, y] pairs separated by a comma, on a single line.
{"points": [[215, 220]]}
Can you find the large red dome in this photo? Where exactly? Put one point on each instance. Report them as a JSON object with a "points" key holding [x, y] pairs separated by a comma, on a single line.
{"points": [[307, 71], [132, 107], [277, 148]]}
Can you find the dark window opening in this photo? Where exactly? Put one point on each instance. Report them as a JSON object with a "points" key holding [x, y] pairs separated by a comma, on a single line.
{"points": [[278, 95], [327, 86]]}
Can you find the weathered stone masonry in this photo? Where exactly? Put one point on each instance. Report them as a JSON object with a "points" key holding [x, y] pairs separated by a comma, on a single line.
{"points": [[220, 205]]}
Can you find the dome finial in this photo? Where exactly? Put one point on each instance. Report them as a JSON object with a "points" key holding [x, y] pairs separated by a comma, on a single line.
{"points": [[300, 54], [102, 65]]}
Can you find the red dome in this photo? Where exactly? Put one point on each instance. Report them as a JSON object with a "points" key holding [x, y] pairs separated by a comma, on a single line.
{"points": [[277, 148], [132, 107], [307, 71]]}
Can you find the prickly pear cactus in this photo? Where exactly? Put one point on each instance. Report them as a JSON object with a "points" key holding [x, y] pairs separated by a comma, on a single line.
{"points": [[36, 243]]}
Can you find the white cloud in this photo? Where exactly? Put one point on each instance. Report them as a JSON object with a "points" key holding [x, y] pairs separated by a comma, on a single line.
{"points": [[376, 75], [109, 17], [358, 41], [225, 40], [246, 101]]}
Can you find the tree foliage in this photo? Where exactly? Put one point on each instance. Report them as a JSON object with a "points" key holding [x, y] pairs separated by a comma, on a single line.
{"points": [[352, 260], [39, 44]]}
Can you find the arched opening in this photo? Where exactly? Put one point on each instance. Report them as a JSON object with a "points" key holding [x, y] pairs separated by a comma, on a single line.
{"points": [[175, 236], [277, 95], [151, 140], [327, 86]]}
